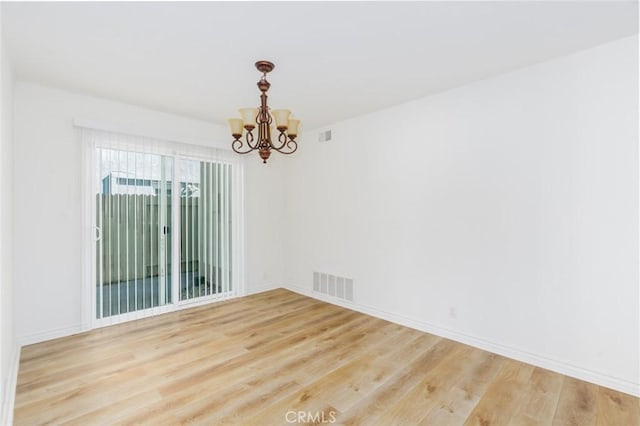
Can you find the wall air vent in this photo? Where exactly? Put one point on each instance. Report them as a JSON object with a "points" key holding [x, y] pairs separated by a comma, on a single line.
{"points": [[333, 285], [324, 136]]}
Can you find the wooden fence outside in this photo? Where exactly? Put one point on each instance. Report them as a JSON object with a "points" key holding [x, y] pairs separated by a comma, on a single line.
{"points": [[129, 247]]}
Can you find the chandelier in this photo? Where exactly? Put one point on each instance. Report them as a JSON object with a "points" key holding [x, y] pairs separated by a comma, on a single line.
{"points": [[263, 118]]}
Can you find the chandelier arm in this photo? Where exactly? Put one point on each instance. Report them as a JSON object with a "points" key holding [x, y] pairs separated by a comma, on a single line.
{"points": [[250, 140], [282, 138], [237, 144], [291, 144]]}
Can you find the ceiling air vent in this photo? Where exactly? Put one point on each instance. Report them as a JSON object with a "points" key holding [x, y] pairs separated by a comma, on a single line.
{"points": [[324, 136]]}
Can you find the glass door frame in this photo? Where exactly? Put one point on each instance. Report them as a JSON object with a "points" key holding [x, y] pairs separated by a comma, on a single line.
{"points": [[177, 152]]}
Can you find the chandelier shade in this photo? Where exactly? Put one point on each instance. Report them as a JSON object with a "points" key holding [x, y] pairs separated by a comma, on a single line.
{"points": [[293, 127], [262, 117], [248, 116], [236, 126]]}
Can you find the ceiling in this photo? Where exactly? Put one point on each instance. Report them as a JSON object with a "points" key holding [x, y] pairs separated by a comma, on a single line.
{"points": [[334, 60]]}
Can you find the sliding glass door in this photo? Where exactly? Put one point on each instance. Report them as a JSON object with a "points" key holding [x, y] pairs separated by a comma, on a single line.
{"points": [[166, 228], [205, 229], [133, 217]]}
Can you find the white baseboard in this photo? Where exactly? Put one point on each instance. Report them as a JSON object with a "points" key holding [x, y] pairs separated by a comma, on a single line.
{"points": [[9, 395], [561, 367], [260, 289], [49, 334]]}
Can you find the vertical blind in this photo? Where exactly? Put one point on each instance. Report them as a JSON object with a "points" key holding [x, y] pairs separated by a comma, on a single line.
{"points": [[206, 227], [166, 223]]}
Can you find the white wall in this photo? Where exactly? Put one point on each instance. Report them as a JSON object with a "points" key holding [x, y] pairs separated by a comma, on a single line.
{"points": [[503, 213], [48, 202], [264, 215], [9, 349]]}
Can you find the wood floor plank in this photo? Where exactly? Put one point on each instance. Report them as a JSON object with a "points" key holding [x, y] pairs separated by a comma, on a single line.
{"points": [[577, 404], [276, 356], [372, 406], [503, 397], [454, 407], [435, 383], [617, 408], [542, 395]]}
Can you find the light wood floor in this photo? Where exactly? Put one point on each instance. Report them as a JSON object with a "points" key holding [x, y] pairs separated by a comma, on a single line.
{"points": [[278, 357]]}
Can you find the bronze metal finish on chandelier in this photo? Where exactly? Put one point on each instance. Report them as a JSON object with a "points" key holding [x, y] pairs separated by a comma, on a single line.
{"points": [[263, 118]]}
